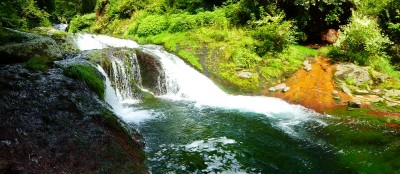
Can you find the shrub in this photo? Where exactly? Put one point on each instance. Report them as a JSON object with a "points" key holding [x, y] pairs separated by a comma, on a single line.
{"points": [[361, 40], [182, 22], [273, 34], [82, 23], [88, 74], [152, 25]]}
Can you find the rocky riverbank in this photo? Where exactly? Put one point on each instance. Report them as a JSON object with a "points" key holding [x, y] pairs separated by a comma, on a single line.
{"points": [[324, 85], [51, 123]]}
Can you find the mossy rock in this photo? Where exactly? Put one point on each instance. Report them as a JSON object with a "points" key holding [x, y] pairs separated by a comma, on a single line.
{"points": [[27, 46]]}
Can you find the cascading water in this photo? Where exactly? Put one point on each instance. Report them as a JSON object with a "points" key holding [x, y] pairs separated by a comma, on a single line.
{"points": [[123, 76], [194, 127]]}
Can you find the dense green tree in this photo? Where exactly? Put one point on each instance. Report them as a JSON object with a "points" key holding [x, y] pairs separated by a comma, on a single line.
{"points": [[194, 6], [389, 19], [65, 10], [22, 14], [314, 16]]}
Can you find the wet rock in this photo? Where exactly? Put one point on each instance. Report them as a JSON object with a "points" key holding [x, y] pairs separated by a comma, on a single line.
{"points": [[280, 87], [361, 92], [54, 124], [151, 68], [244, 74], [354, 104], [33, 46], [358, 75]]}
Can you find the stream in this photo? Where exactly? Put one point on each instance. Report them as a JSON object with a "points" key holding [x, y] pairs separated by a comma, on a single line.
{"points": [[195, 127]]}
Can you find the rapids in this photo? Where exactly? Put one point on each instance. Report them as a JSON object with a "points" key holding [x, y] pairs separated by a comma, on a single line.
{"points": [[195, 127]]}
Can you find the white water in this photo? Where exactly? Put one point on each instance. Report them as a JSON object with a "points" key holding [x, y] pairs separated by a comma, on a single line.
{"points": [[61, 27], [91, 42], [185, 83], [129, 114]]}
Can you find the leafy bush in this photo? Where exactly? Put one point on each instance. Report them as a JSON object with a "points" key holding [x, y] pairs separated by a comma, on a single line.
{"points": [[88, 75], [22, 14], [273, 33], [82, 23], [152, 25], [182, 22], [361, 40]]}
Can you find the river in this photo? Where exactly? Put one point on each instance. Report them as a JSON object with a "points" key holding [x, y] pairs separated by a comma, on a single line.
{"points": [[195, 127]]}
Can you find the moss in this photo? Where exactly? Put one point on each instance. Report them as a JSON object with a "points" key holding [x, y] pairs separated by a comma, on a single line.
{"points": [[89, 75], [40, 63], [192, 59], [7, 36]]}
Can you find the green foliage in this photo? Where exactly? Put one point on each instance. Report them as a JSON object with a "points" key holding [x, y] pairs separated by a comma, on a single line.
{"points": [[193, 60], [315, 16], [66, 10], [389, 20], [371, 7], [82, 23], [361, 40], [88, 75], [7, 36], [152, 25], [38, 63], [273, 33], [23, 14]]}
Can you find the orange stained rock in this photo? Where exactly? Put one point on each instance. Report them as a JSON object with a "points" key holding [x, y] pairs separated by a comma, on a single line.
{"points": [[314, 89]]}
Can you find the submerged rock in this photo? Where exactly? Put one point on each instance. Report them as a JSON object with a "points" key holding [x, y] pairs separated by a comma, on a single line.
{"points": [[54, 124]]}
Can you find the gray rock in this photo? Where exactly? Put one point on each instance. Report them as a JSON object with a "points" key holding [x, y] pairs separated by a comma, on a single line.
{"points": [[345, 89], [336, 95], [35, 45], [245, 74], [286, 89], [375, 99], [392, 93], [376, 92], [360, 75], [307, 65], [361, 92], [354, 104], [280, 87]]}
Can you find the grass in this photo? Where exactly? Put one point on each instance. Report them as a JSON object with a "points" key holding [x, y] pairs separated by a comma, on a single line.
{"points": [[89, 75]]}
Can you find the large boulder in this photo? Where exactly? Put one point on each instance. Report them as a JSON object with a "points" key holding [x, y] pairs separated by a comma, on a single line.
{"points": [[30, 45], [54, 124], [356, 74], [329, 36]]}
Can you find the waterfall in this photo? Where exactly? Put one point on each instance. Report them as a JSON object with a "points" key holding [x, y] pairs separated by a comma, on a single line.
{"points": [[182, 82], [91, 42], [125, 76]]}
